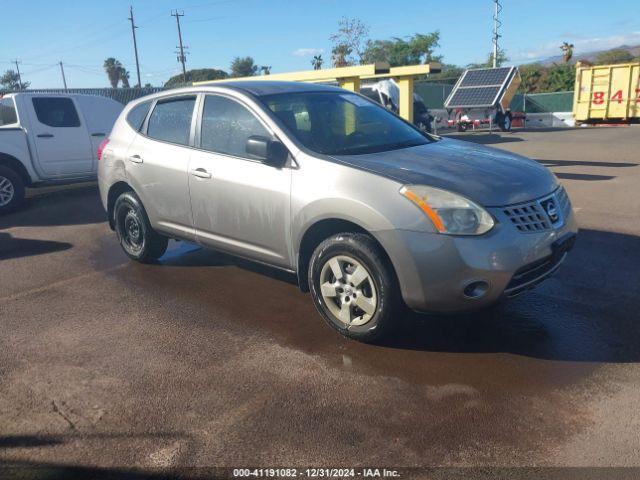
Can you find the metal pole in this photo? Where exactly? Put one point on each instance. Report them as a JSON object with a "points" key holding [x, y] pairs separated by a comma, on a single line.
{"points": [[64, 80], [496, 35], [19, 77], [182, 58], [135, 44]]}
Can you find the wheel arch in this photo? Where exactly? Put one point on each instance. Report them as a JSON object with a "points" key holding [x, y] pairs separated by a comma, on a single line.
{"points": [[17, 166], [321, 230]]}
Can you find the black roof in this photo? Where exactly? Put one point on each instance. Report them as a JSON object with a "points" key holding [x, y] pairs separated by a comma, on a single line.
{"points": [[269, 87]]}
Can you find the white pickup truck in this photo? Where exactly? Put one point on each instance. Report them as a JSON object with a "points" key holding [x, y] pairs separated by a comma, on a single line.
{"points": [[50, 139]]}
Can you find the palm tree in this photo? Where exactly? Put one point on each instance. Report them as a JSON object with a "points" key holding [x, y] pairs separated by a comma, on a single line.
{"points": [[265, 69], [112, 68], [567, 51], [124, 77], [317, 62]]}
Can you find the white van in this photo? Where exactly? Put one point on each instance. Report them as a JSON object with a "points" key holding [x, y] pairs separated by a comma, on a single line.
{"points": [[50, 138]]}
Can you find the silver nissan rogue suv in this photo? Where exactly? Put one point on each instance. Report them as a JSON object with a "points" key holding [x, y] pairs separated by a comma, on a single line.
{"points": [[370, 213]]}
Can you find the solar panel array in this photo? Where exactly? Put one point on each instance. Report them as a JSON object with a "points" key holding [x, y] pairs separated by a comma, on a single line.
{"points": [[485, 76], [465, 97], [480, 87]]}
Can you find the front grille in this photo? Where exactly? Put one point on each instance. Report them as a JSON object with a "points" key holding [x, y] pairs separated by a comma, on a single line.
{"points": [[528, 217], [540, 215]]}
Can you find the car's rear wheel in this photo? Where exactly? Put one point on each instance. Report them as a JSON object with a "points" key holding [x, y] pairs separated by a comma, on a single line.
{"points": [[11, 190], [354, 287], [135, 234]]}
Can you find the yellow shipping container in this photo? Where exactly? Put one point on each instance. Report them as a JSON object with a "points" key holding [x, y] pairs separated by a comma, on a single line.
{"points": [[607, 92]]}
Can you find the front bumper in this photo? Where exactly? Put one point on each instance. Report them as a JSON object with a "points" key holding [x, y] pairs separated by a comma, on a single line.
{"points": [[433, 269]]}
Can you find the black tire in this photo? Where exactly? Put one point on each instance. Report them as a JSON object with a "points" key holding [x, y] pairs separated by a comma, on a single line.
{"points": [[12, 187], [135, 234], [504, 123], [362, 248]]}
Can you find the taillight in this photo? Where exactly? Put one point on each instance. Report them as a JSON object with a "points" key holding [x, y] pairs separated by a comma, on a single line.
{"points": [[101, 147]]}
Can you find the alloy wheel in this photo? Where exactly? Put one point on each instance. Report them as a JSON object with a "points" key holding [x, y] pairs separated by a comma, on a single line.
{"points": [[7, 191], [348, 290]]}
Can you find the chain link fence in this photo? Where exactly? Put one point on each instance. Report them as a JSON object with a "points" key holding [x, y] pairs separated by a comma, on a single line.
{"points": [[435, 94], [122, 95]]}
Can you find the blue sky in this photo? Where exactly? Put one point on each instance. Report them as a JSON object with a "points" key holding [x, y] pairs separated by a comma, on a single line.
{"points": [[286, 33]]}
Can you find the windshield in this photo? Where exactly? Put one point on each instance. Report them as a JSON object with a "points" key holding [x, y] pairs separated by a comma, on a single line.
{"points": [[334, 123]]}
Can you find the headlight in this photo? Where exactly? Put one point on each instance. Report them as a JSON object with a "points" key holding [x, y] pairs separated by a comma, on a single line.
{"points": [[449, 212]]}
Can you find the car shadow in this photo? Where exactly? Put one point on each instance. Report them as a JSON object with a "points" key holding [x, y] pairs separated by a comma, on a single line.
{"points": [[61, 471], [484, 138], [588, 177], [58, 209], [587, 312], [12, 247], [186, 254]]}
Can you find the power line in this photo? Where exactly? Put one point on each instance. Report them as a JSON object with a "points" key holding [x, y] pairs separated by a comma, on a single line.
{"points": [[181, 57], [135, 44]]}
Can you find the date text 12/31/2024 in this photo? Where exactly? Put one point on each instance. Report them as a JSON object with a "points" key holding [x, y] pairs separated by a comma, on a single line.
{"points": [[315, 473]]}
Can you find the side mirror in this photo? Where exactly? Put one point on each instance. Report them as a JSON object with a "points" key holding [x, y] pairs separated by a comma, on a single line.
{"points": [[272, 152]]}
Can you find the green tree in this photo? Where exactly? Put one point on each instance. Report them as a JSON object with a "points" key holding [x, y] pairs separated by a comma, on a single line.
{"points": [[265, 69], [350, 37], [340, 55], [616, 55], [538, 78], [502, 59], [416, 49], [197, 75], [243, 67], [113, 68], [561, 78], [11, 81]]}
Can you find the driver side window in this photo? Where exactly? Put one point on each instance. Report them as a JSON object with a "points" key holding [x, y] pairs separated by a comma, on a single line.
{"points": [[226, 126]]}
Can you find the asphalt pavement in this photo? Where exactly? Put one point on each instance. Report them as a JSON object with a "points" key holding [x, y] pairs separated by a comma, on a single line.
{"points": [[116, 368]]}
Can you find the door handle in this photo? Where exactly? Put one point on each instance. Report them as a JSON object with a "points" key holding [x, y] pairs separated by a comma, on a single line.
{"points": [[200, 173], [97, 134], [45, 135], [135, 158]]}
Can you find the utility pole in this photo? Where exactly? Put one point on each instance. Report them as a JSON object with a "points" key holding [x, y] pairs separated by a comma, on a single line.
{"points": [[135, 45], [18, 71], [181, 58], [496, 36], [64, 80]]}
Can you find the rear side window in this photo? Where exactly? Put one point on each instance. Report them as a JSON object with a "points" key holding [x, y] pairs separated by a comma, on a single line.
{"points": [[56, 111], [7, 112], [226, 126], [170, 120], [135, 118]]}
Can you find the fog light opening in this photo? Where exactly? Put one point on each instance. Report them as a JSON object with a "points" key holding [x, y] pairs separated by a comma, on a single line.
{"points": [[476, 289]]}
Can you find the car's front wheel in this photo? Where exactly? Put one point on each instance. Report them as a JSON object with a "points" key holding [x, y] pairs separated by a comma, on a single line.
{"points": [[11, 190], [137, 238], [354, 287]]}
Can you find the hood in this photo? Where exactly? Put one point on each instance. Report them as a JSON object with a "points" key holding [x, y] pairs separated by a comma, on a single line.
{"points": [[488, 176]]}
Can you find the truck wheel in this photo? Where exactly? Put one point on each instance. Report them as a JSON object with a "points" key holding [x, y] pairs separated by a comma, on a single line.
{"points": [[137, 238], [505, 122], [11, 190], [354, 288]]}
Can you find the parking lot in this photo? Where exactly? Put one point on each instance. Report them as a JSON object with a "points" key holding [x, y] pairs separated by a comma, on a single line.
{"points": [[207, 360]]}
